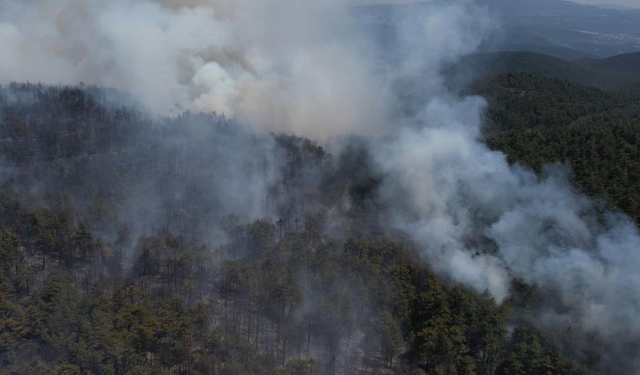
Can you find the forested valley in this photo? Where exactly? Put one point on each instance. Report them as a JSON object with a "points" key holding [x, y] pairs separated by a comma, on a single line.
{"points": [[133, 244]]}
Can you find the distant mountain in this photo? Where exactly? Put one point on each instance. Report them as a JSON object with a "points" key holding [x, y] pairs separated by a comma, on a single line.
{"points": [[563, 53], [516, 101], [591, 29], [553, 26], [629, 63], [611, 74], [586, 44], [632, 90], [537, 120], [614, 7]]}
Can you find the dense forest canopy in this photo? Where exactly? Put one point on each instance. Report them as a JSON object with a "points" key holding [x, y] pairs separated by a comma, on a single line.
{"points": [[114, 262], [112, 225], [537, 120], [332, 190]]}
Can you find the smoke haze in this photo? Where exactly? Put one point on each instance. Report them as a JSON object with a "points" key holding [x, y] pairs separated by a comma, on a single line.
{"points": [[277, 63], [307, 68]]}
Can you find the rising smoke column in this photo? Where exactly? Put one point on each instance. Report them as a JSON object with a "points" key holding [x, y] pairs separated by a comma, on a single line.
{"points": [[305, 67], [293, 66], [482, 222]]}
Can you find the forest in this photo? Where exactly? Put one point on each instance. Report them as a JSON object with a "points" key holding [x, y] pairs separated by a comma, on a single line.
{"points": [[125, 248], [537, 120]]}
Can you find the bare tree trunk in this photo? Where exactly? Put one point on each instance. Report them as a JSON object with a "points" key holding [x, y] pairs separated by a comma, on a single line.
{"points": [[284, 348], [308, 339], [258, 332]]}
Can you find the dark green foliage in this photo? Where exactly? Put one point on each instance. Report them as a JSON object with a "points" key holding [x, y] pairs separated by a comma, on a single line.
{"points": [[529, 354], [538, 121], [526, 100], [86, 289], [628, 62], [612, 73], [288, 306]]}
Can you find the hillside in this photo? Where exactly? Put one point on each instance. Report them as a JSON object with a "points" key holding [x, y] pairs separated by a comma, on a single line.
{"points": [[591, 29], [562, 53], [134, 245], [223, 187], [632, 90], [555, 27], [113, 238], [604, 74], [538, 120], [627, 63], [525, 100]]}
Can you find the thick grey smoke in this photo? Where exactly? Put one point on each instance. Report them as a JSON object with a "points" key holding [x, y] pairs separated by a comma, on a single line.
{"points": [[305, 67], [483, 222], [286, 64]]}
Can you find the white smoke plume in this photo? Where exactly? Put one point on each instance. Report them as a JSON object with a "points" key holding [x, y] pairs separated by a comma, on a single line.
{"points": [[281, 63], [305, 67], [483, 222]]}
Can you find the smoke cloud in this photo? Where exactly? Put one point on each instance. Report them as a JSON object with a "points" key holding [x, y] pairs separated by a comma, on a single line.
{"points": [[284, 64], [482, 222], [307, 67]]}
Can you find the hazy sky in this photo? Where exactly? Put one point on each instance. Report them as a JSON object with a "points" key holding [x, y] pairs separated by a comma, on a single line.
{"points": [[627, 3]]}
